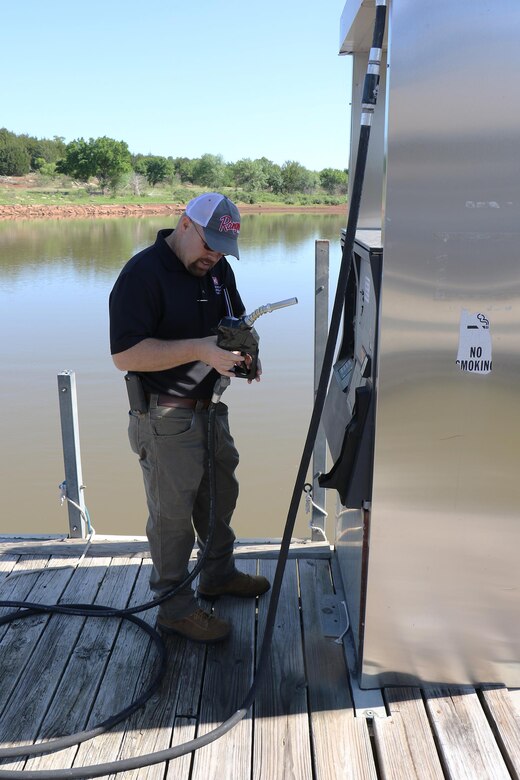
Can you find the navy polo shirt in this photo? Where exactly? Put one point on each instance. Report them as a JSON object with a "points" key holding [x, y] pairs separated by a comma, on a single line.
{"points": [[156, 297]]}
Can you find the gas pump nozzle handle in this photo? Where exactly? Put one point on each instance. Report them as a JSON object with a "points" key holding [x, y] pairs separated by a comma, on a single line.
{"points": [[249, 319], [238, 335]]}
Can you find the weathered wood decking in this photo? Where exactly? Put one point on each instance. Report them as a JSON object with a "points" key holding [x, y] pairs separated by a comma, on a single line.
{"points": [[62, 674]]}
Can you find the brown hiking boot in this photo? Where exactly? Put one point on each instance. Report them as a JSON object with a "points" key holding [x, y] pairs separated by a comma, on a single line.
{"points": [[246, 586], [199, 627]]}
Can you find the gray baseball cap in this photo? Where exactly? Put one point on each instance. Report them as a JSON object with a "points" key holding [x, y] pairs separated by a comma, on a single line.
{"points": [[220, 220]]}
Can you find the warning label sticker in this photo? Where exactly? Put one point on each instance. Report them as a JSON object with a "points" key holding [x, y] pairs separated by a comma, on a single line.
{"points": [[474, 353]]}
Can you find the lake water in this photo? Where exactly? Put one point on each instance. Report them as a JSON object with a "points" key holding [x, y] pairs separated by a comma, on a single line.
{"points": [[55, 278]]}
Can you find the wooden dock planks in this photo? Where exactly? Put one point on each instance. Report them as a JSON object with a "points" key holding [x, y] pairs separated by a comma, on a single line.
{"points": [[465, 738], [227, 679], [281, 745], [83, 674], [341, 742], [123, 679], [404, 741], [61, 674], [504, 717], [35, 651]]}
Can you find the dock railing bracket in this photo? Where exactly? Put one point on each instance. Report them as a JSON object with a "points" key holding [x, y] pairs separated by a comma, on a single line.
{"points": [[73, 488]]}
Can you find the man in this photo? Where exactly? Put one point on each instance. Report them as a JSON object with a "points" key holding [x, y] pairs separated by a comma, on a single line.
{"points": [[164, 308]]}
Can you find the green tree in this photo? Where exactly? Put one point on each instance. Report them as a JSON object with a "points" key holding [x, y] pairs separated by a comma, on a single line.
{"points": [[78, 161], [183, 168], [157, 169], [333, 180], [296, 178], [103, 158], [47, 169], [139, 163], [249, 174], [14, 157], [273, 174], [44, 150], [209, 171], [112, 160]]}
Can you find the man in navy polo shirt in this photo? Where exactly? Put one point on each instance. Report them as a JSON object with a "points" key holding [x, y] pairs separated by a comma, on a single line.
{"points": [[164, 308]]}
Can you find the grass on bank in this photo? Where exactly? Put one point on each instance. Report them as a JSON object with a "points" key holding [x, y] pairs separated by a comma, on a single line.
{"points": [[35, 189]]}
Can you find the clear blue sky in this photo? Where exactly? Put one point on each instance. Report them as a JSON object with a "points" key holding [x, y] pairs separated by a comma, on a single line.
{"points": [[246, 79]]}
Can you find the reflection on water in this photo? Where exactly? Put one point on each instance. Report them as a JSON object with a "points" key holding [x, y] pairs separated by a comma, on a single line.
{"points": [[55, 278]]}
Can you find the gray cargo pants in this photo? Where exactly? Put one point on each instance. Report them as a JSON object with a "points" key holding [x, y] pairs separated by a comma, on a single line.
{"points": [[172, 447]]}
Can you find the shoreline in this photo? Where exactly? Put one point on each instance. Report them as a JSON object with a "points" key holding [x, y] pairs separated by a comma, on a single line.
{"points": [[107, 210]]}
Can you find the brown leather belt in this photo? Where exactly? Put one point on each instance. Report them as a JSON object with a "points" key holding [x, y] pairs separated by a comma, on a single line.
{"points": [[163, 399]]}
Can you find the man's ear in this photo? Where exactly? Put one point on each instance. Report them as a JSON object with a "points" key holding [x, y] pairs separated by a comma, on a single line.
{"points": [[184, 222]]}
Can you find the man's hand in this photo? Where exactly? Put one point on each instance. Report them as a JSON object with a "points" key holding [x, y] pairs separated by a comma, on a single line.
{"points": [[222, 360], [249, 360], [157, 355]]}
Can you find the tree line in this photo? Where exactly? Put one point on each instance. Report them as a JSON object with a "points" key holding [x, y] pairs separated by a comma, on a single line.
{"points": [[110, 162]]}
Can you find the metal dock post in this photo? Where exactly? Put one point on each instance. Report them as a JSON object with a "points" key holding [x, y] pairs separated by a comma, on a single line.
{"points": [[71, 454]]}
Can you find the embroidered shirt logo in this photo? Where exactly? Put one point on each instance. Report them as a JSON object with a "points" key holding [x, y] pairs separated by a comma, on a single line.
{"points": [[217, 285], [228, 226]]}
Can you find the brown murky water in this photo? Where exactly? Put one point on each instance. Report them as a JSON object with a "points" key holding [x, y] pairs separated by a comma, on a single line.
{"points": [[55, 278]]}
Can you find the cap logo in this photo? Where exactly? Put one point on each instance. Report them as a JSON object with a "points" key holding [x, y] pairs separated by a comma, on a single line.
{"points": [[227, 225]]}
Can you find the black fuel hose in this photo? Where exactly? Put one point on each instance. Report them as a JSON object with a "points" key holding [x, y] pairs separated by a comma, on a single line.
{"points": [[79, 773]]}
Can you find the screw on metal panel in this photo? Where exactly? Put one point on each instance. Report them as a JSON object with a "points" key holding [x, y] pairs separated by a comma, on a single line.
{"points": [[369, 713], [63, 389]]}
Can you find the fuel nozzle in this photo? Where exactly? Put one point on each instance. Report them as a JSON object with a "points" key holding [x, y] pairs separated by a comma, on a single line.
{"points": [[249, 319], [238, 335]]}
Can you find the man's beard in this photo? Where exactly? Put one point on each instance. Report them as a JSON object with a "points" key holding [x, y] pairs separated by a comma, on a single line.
{"points": [[200, 266]]}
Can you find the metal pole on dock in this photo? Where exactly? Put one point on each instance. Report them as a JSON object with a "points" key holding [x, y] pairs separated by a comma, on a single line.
{"points": [[71, 454], [321, 326]]}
